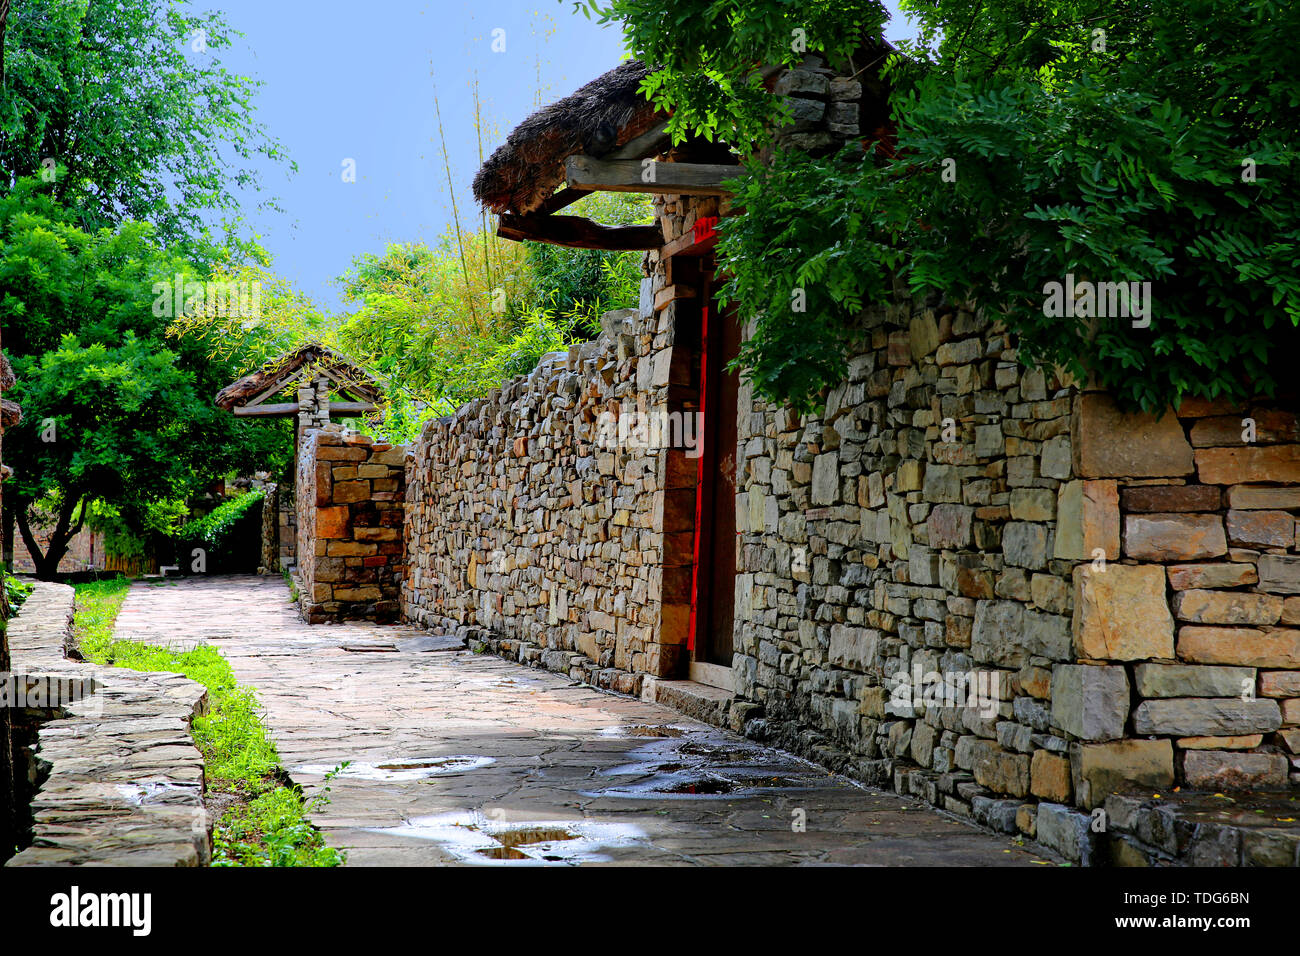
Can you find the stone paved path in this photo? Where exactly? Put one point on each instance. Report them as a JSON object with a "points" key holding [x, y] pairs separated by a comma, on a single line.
{"points": [[463, 758]]}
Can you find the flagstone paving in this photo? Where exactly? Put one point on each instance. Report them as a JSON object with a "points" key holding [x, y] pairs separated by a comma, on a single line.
{"points": [[464, 758]]}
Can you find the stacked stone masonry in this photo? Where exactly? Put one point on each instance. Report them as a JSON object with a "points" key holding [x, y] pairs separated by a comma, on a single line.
{"points": [[1106, 598], [350, 498], [523, 522], [1127, 579]]}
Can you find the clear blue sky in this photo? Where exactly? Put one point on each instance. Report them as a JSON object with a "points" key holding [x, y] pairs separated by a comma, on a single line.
{"points": [[350, 80]]}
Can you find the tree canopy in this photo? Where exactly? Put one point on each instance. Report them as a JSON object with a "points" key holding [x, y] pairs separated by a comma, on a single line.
{"points": [[127, 110], [1116, 141]]}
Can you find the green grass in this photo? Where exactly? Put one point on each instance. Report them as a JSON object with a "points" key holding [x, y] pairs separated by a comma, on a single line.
{"points": [[265, 823]]}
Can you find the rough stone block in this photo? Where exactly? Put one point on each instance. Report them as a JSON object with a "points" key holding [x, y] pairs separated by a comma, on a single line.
{"points": [[1185, 576], [1190, 680], [1279, 684], [1279, 464], [1206, 716], [1277, 647], [1121, 613], [1087, 520], [1109, 443], [1025, 544], [1090, 702], [1229, 770], [1174, 537], [1171, 498], [1049, 776], [1099, 770], [853, 647], [1279, 574], [1261, 529], [1226, 607], [1264, 497], [1066, 831], [950, 526]]}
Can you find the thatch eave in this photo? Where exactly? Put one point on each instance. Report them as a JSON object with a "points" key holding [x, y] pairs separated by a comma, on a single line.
{"points": [[599, 117]]}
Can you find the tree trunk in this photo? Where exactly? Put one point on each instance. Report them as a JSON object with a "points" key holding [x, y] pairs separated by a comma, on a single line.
{"points": [[47, 564]]}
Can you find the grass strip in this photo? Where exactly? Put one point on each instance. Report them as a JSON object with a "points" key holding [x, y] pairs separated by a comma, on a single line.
{"points": [[263, 818]]}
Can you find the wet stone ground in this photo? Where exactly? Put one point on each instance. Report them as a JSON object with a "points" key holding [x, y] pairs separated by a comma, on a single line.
{"points": [[457, 758]]}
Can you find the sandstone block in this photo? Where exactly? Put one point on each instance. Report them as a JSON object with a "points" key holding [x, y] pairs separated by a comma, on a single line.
{"points": [[1263, 496], [1049, 776], [1238, 742], [1098, 770], [950, 526], [1261, 529], [333, 522], [1087, 520], [999, 770], [1279, 684], [1253, 463], [1121, 613], [1234, 575], [1277, 647], [1171, 498], [1227, 607], [1174, 537], [1226, 770], [1279, 574], [1109, 443]]}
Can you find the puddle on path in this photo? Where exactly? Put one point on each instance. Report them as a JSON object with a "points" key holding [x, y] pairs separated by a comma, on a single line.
{"points": [[415, 768], [702, 766], [475, 838], [645, 730]]}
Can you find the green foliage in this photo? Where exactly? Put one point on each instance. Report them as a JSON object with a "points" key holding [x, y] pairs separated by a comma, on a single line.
{"points": [[1119, 161], [266, 825], [113, 412], [213, 529], [589, 282], [271, 830], [142, 125], [16, 592], [710, 53]]}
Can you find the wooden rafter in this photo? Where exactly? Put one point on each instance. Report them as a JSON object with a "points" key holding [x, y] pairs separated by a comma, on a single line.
{"points": [[579, 233]]}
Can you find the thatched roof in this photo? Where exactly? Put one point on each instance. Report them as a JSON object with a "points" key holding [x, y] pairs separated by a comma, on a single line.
{"points": [[600, 117], [283, 370]]}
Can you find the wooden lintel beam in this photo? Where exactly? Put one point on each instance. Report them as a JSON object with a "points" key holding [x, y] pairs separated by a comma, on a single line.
{"points": [[687, 245], [289, 409], [630, 176], [282, 410], [579, 233]]}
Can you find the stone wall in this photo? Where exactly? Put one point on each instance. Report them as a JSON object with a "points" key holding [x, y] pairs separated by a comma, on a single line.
{"points": [[525, 521], [1120, 581], [349, 494]]}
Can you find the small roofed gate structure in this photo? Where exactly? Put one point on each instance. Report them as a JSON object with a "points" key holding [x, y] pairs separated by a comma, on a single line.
{"points": [[314, 373], [608, 137]]}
